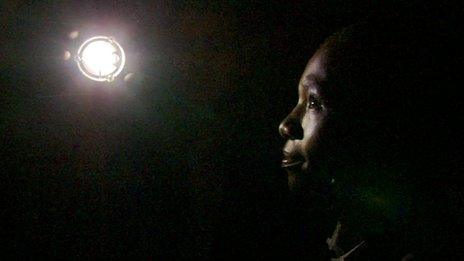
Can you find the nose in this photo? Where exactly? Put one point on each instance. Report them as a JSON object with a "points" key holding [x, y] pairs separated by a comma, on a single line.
{"points": [[290, 128]]}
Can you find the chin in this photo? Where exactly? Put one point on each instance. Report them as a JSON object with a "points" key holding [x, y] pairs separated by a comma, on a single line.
{"points": [[295, 176], [294, 180], [302, 183]]}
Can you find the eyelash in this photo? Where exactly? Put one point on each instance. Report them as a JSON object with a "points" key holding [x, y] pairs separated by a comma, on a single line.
{"points": [[314, 103]]}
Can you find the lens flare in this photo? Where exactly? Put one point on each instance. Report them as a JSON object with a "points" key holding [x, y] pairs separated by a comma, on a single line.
{"points": [[101, 58]]}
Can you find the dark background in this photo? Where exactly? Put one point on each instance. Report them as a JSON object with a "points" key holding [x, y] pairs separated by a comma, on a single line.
{"points": [[180, 161]]}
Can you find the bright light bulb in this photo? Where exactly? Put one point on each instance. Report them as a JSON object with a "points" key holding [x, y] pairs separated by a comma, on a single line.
{"points": [[100, 58]]}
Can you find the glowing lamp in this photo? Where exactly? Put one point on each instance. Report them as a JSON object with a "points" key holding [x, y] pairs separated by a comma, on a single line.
{"points": [[101, 58]]}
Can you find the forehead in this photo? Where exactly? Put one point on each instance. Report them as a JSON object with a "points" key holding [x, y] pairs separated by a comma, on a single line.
{"points": [[316, 69]]}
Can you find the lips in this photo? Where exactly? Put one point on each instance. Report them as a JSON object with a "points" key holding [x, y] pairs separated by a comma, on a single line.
{"points": [[292, 161], [288, 163]]}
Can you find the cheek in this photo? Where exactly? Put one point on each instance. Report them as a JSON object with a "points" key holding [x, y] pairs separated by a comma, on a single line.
{"points": [[312, 127]]}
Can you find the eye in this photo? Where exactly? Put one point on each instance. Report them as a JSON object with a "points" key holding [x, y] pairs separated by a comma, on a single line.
{"points": [[314, 103]]}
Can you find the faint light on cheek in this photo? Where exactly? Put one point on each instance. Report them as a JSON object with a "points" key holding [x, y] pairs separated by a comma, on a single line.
{"points": [[101, 58]]}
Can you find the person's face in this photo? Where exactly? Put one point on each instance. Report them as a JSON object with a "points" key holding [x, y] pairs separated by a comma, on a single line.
{"points": [[351, 138], [303, 128]]}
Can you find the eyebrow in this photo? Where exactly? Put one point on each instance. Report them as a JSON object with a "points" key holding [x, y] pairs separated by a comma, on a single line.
{"points": [[312, 78], [313, 82]]}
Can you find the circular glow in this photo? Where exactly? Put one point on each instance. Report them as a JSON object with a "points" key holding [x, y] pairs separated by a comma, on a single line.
{"points": [[100, 58]]}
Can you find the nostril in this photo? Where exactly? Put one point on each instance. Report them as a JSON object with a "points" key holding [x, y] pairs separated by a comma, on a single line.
{"points": [[290, 130]]}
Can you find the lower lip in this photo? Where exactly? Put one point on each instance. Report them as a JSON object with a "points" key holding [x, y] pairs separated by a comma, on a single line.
{"points": [[291, 165]]}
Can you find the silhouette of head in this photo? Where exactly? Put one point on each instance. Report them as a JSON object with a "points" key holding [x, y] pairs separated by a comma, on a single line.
{"points": [[373, 127]]}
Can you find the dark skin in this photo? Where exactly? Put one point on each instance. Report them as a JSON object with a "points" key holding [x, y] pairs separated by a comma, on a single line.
{"points": [[368, 139], [304, 125], [337, 160], [335, 121], [347, 115]]}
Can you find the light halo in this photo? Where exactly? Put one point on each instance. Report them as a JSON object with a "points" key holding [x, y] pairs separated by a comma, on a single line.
{"points": [[101, 58]]}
